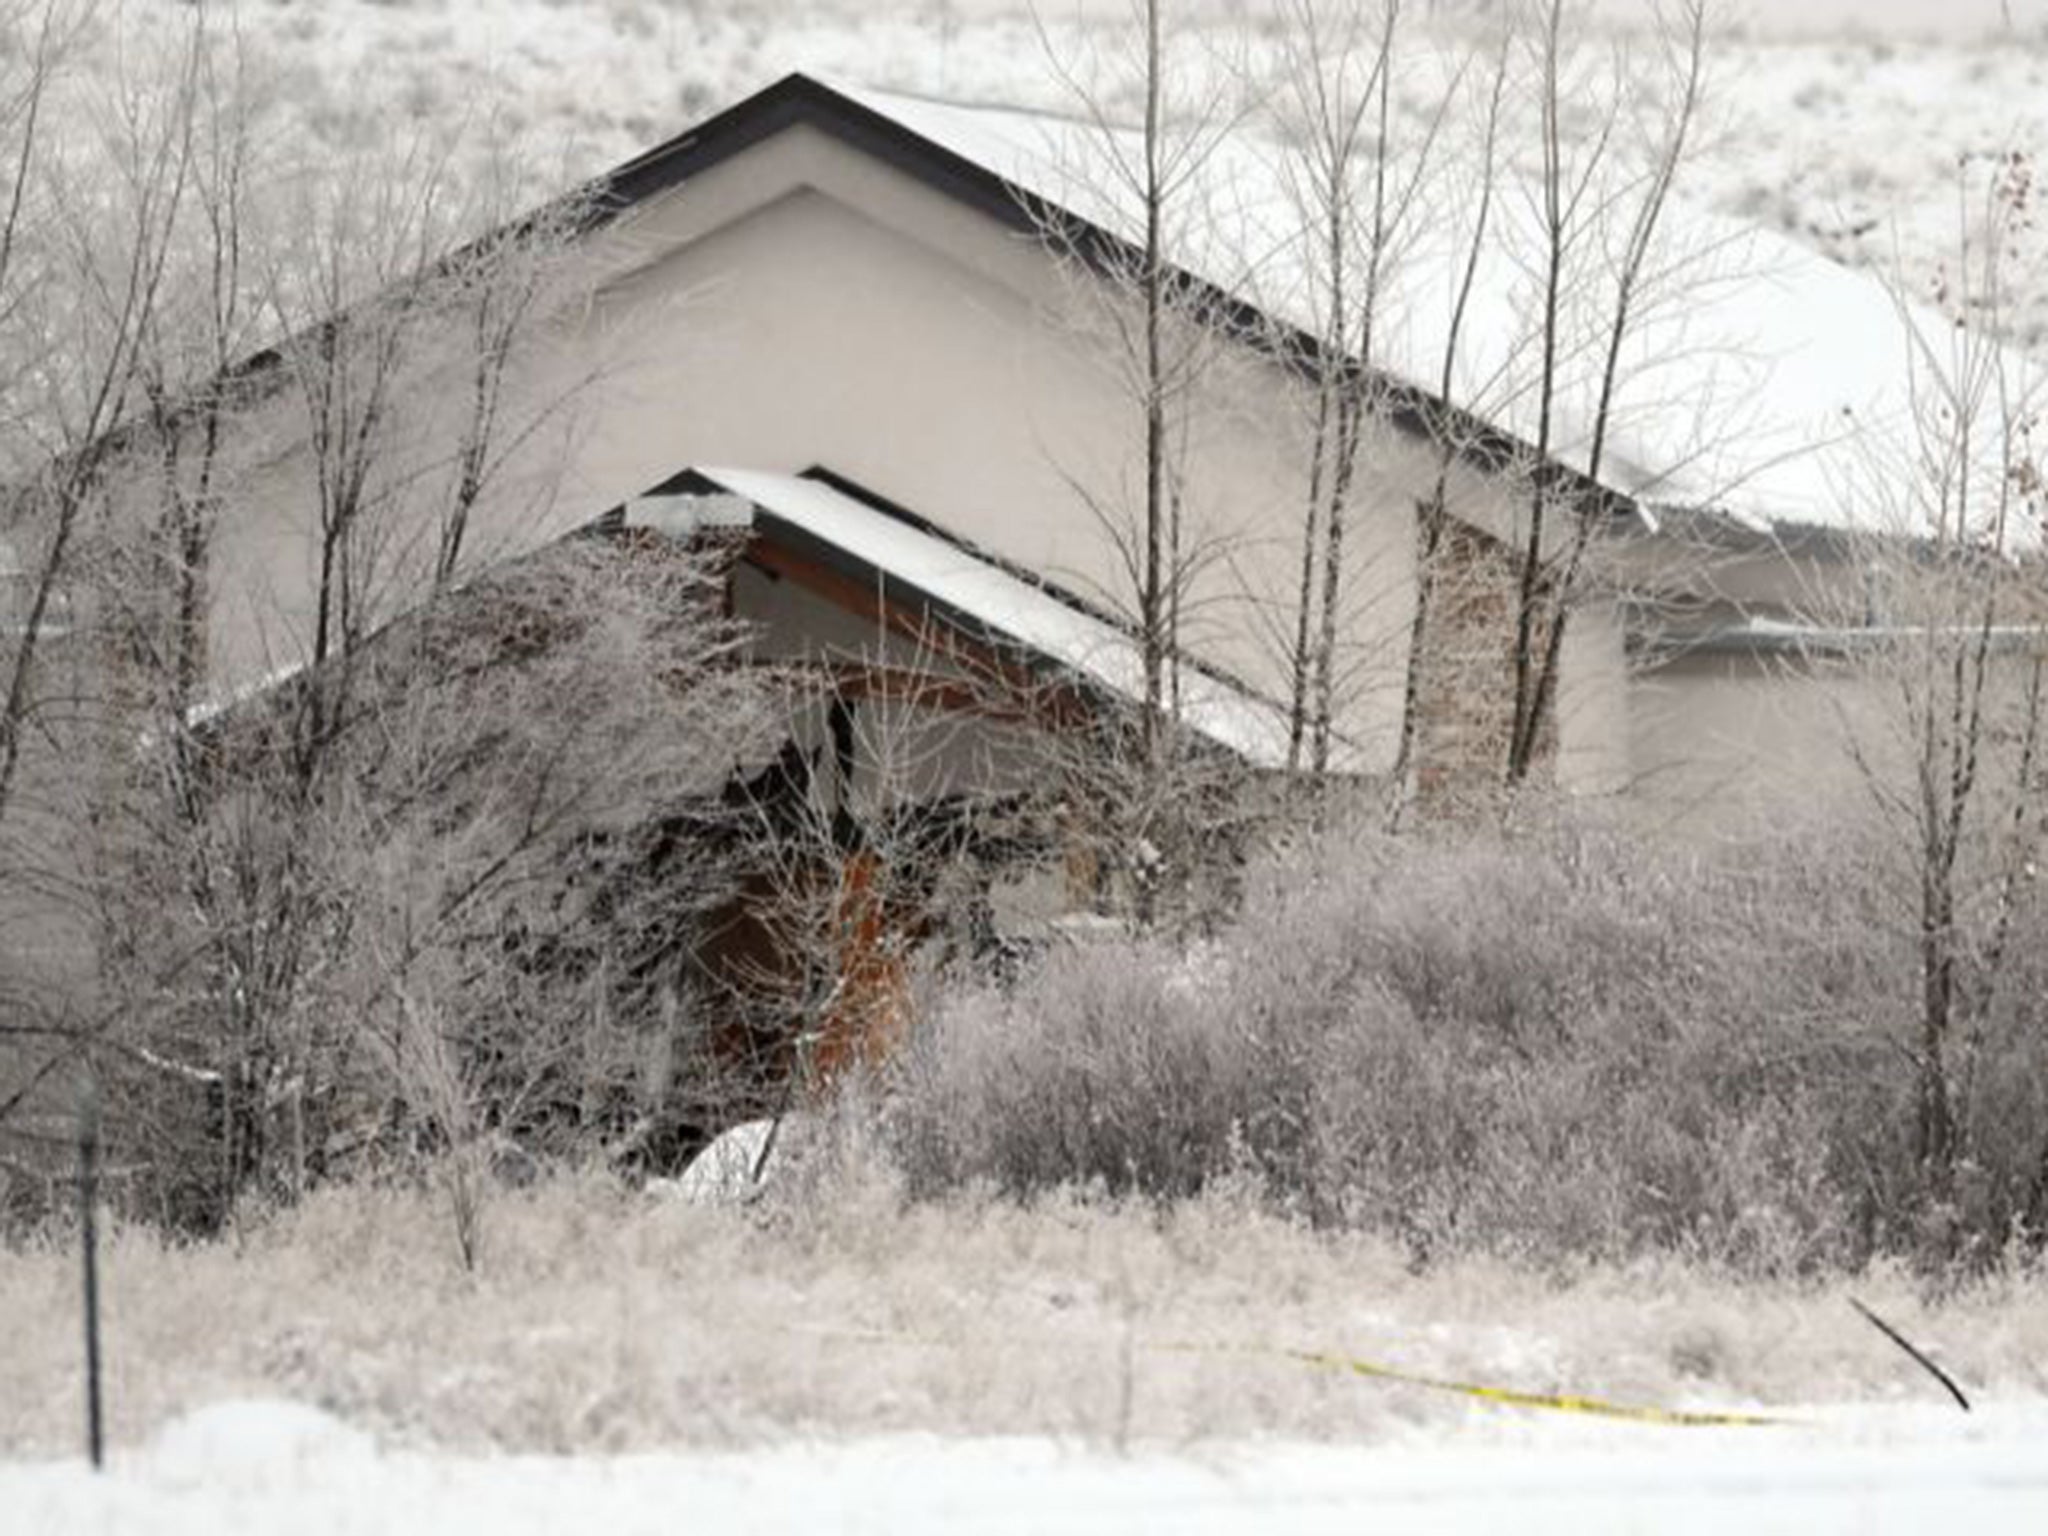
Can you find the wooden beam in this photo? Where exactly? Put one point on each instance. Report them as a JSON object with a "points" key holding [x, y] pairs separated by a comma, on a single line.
{"points": [[1010, 689]]}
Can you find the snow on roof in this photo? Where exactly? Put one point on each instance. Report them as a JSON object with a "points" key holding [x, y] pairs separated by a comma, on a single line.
{"points": [[955, 578], [1761, 381], [225, 700], [1796, 637]]}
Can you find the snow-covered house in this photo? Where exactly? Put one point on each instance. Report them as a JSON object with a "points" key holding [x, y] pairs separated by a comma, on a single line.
{"points": [[830, 316]]}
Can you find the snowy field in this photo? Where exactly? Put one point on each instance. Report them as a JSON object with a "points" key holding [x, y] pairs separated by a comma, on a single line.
{"points": [[624, 1362], [256, 1466]]}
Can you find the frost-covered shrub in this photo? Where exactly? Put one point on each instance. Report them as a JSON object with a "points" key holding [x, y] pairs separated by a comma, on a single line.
{"points": [[1568, 1047]]}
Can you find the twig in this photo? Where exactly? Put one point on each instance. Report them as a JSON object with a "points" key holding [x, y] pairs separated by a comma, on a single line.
{"points": [[1900, 1339]]}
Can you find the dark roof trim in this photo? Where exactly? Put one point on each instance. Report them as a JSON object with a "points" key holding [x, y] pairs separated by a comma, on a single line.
{"points": [[794, 100]]}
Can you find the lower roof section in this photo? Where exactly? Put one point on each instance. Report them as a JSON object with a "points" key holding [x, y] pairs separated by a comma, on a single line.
{"points": [[913, 562]]}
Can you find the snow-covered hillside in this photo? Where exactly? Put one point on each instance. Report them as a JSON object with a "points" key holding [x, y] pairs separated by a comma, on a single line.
{"points": [[1850, 144]]}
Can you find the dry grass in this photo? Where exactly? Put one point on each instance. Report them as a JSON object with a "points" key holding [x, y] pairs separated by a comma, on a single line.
{"points": [[604, 1320]]}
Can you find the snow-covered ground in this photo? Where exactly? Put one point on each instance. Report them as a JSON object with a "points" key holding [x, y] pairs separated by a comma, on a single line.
{"points": [[830, 1356], [603, 1324], [254, 1466], [602, 1319]]}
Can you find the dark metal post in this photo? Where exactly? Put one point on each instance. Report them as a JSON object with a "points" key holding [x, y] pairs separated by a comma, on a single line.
{"points": [[88, 1226]]}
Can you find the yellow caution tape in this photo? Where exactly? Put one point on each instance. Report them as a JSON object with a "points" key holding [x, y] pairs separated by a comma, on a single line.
{"points": [[1556, 1402], [1508, 1397]]}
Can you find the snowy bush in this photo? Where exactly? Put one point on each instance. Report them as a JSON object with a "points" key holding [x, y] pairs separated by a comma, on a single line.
{"points": [[1565, 1048]]}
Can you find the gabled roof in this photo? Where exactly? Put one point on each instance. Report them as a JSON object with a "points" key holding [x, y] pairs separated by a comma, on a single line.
{"points": [[1806, 359], [908, 561], [983, 157], [1756, 394]]}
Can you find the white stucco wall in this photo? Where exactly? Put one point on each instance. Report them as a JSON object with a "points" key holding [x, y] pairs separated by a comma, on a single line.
{"points": [[1734, 741], [803, 304]]}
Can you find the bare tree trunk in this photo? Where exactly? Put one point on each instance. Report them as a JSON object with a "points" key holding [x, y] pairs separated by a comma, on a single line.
{"points": [[1153, 317], [1153, 295], [1557, 243], [1357, 192], [1964, 793], [118, 273], [1300, 656], [1354, 401], [1549, 585]]}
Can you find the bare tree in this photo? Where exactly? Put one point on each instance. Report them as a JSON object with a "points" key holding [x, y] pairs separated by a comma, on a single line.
{"points": [[394, 403], [531, 846], [498, 296], [470, 929], [1146, 243], [343, 295], [1600, 208], [87, 222], [363, 320], [81, 278], [1952, 635], [1356, 193]]}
